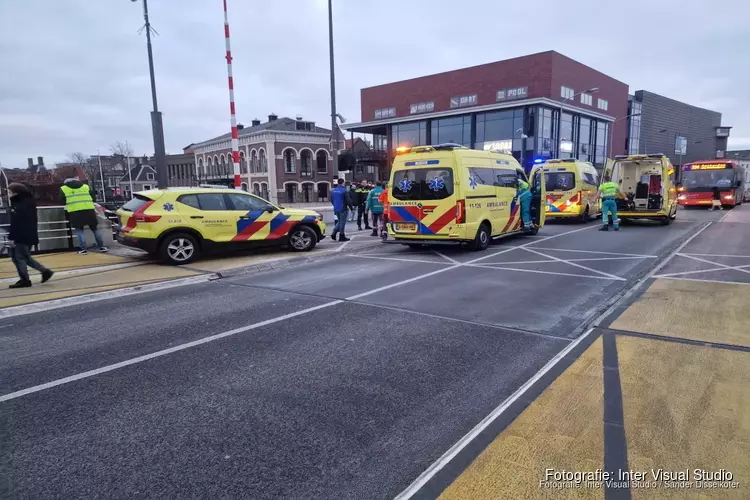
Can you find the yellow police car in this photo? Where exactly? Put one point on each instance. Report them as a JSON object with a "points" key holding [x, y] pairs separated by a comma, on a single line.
{"points": [[178, 224]]}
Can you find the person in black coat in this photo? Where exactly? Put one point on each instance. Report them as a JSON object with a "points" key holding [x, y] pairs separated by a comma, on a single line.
{"points": [[23, 235]]}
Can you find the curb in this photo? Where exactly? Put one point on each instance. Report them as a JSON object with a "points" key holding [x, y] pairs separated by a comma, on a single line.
{"points": [[295, 261]]}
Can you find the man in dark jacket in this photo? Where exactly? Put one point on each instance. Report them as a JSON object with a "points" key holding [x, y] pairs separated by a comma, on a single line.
{"points": [[361, 203], [23, 235], [79, 203], [342, 203]]}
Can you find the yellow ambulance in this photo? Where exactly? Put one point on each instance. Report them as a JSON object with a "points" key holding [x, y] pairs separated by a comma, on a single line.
{"points": [[572, 189], [451, 194]]}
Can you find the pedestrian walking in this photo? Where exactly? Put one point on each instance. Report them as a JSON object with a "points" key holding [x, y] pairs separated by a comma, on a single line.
{"points": [[351, 190], [23, 235], [79, 203], [342, 203], [375, 207], [716, 202]]}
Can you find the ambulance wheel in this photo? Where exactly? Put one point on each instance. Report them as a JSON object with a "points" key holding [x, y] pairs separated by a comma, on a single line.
{"points": [[586, 216], [534, 231], [178, 249], [666, 221], [483, 239]]}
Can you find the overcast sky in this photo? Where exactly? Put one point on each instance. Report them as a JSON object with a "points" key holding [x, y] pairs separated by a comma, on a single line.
{"points": [[75, 74]]}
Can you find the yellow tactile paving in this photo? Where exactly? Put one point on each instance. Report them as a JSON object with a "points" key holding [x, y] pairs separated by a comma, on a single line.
{"points": [[65, 262], [562, 429], [269, 256], [67, 286], [686, 407], [713, 312]]}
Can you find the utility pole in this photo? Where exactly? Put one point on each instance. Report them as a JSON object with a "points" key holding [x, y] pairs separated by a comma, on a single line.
{"points": [[334, 125], [233, 119], [157, 127]]}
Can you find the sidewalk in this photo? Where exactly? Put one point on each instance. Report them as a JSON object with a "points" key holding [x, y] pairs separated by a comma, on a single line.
{"points": [[124, 268], [665, 385]]}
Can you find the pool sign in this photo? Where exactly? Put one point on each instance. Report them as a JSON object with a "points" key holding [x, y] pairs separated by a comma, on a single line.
{"points": [[513, 93]]}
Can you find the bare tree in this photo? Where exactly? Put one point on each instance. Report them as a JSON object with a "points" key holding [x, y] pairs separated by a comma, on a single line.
{"points": [[90, 167], [121, 148]]}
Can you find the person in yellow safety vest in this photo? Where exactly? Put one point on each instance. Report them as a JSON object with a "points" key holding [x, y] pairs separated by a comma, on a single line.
{"points": [[79, 204], [609, 192], [524, 198]]}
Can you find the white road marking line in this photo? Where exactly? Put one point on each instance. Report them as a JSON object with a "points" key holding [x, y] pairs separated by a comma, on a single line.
{"points": [[715, 255], [163, 352], [115, 366], [397, 259], [610, 258], [6, 326], [550, 261], [650, 275], [736, 268], [537, 271], [449, 259], [724, 216], [345, 243], [666, 277], [598, 253], [449, 455], [595, 271]]}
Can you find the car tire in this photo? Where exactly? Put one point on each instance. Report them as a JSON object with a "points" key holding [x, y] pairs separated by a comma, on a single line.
{"points": [[665, 221], [483, 238], [302, 239], [179, 249]]}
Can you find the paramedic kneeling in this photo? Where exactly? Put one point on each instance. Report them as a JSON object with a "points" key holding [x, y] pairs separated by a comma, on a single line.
{"points": [[609, 191], [524, 197]]}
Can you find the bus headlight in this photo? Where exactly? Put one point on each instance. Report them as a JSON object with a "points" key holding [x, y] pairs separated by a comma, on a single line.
{"points": [[728, 197], [682, 197]]}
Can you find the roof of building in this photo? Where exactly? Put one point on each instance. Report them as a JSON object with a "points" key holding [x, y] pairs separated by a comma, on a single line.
{"points": [[138, 173], [280, 124]]}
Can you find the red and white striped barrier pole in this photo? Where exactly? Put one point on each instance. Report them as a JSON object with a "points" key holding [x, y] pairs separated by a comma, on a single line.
{"points": [[235, 133]]}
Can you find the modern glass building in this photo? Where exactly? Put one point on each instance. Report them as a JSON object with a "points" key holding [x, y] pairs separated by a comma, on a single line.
{"points": [[534, 107]]}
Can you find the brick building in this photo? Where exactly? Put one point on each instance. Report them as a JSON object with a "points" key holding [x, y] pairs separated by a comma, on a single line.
{"points": [[283, 160], [544, 105]]}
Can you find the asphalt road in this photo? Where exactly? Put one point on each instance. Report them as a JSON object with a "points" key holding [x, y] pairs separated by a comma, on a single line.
{"points": [[344, 378]]}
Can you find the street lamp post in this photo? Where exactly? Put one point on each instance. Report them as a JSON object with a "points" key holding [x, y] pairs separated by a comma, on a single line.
{"points": [[334, 125], [157, 127], [523, 144], [592, 90]]}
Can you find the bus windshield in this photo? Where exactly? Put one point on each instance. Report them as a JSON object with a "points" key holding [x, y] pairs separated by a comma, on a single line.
{"points": [[706, 180]]}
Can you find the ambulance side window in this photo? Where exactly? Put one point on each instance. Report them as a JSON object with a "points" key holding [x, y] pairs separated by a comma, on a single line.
{"points": [[505, 177]]}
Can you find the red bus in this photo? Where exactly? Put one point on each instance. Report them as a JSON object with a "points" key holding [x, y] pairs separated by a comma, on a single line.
{"points": [[699, 179]]}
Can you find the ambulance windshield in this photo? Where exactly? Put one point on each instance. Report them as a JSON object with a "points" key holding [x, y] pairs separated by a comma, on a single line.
{"points": [[422, 184]]}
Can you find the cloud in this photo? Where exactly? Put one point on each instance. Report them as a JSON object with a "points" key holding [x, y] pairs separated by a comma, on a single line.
{"points": [[79, 80]]}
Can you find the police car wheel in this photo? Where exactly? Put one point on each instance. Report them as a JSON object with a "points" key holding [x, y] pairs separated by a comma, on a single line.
{"points": [[302, 239], [483, 238], [179, 248]]}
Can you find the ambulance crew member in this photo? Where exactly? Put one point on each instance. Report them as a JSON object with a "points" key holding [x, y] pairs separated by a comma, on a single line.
{"points": [[375, 207], [524, 198], [609, 191], [383, 198]]}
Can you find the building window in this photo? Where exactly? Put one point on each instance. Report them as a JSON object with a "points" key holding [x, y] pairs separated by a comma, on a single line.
{"points": [[321, 161], [262, 161], [149, 177], [291, 192], [112, 182], [587, 99], [456, 130], [602, 104], [147, 187], [201, 169], [264, 190], [409, 134], [308, 192], [253, 161], [243, 163], [290, 165], [634, 129], [306, 163], [567, 92], [566, 136], [500, 130], [601, 143], [244, 187], [371, 169], [256, 189], [584, 141], [546, 132]]}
